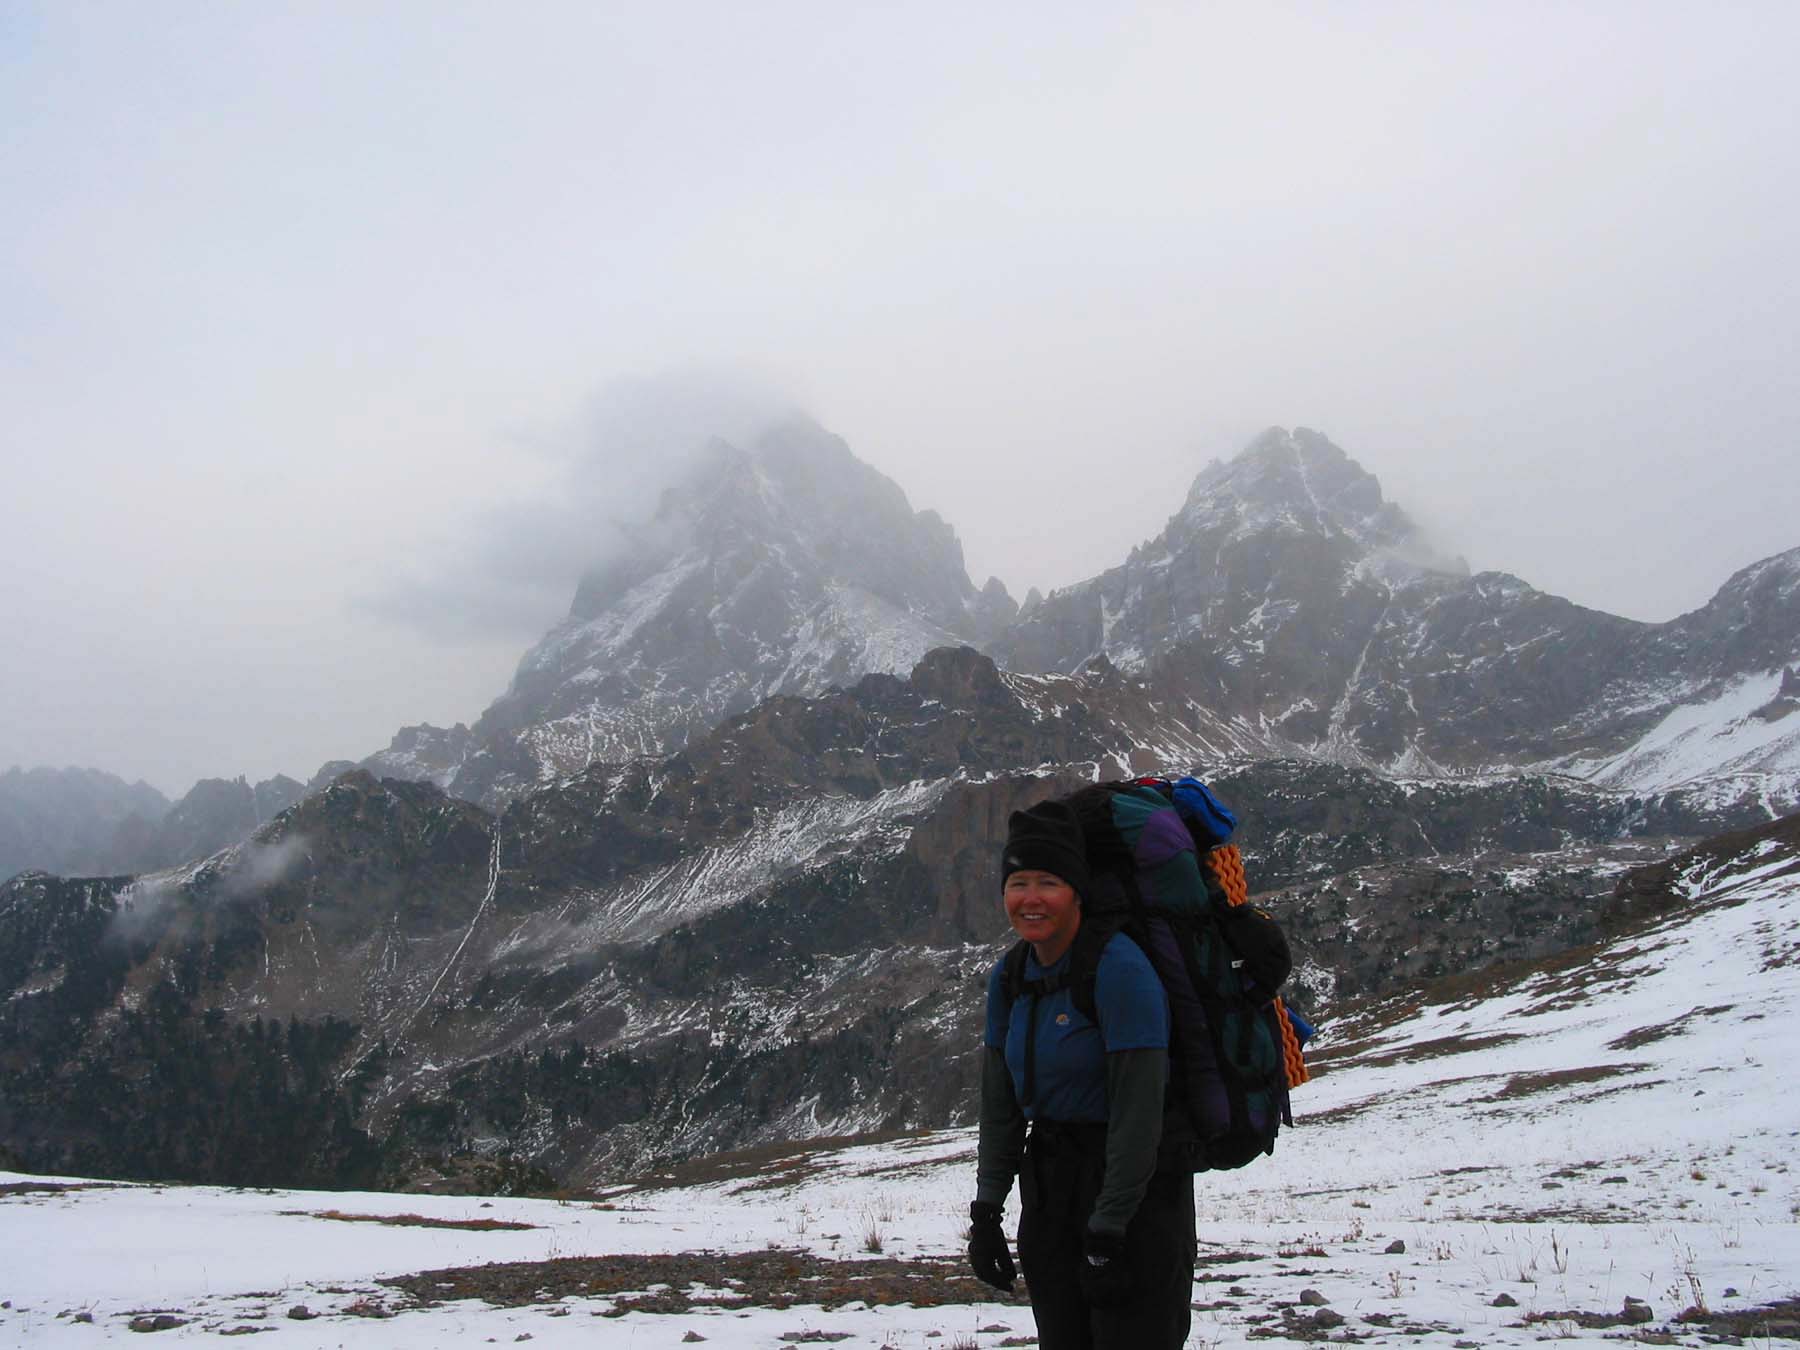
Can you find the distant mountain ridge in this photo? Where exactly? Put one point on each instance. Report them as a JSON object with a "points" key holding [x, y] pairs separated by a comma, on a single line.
{"points": [[1286, 603], [1286, 609], [74, 820], [83, 822], [776, 932]]}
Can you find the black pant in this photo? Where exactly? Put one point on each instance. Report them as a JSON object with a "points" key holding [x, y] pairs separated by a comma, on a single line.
{"points": [[1064, 1165]]}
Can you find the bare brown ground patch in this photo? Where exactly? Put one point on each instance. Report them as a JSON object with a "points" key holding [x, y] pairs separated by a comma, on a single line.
{"points": [[1530, 1084], [1675, 1026], [1231, 1257], [1571, 1214], [53, 1187], [1590, 1321], [768, 1167], [1494, 1106], [1348, 1111], [410, 1221], [1776, 956], [1436, 1048], [1778, 1321], [918, 1169], [683, 1281]]}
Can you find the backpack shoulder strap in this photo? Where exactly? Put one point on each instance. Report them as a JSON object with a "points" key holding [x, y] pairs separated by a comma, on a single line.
{"points": [[1077, 977], [1084, 963], [1012, 971]]}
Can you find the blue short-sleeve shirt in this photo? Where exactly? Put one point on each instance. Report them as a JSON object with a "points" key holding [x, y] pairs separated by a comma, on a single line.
{"points": [[1071, 1050]]}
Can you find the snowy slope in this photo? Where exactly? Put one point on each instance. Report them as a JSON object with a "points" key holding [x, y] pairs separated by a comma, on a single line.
{"points": [[1607, 1126], [1743, 741]]}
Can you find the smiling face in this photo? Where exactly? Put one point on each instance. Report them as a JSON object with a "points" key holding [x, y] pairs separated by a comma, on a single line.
{"points": [[1044, 910]]}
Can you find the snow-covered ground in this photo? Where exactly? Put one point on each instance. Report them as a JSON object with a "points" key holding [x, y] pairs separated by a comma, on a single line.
{"points": [[1619, 1124]]}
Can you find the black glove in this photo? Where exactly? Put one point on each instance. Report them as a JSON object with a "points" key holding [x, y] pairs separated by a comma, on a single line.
{"points": [[988, 1256], [1107, 1279]]}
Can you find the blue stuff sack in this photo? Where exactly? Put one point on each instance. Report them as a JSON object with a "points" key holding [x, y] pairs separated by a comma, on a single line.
{"points": [[1209, 820]]}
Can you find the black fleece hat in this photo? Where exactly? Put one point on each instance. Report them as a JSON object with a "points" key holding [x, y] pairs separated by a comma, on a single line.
{"points": [[1046, 838]]}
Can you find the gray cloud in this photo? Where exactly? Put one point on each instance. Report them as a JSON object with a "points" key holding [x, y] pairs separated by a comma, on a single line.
{"points": [[139, 903], [508, 570], [256, 865], [226, 878]]}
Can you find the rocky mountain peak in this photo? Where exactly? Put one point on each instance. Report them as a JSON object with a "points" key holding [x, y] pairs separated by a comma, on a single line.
{"points": [[1750, 628], [781, 566], [812, 467], [1289, 594], [1261, 557], [1767, 591], [796, 496], [957, 677], [1296, 480], [994, 609]]}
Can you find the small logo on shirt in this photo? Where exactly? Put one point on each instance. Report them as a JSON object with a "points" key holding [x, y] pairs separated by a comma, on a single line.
{"points": [[1062, 1019]]}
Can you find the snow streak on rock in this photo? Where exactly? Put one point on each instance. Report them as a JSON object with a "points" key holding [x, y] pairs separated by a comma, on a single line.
{"points": [[481, 909], [781, 842]]}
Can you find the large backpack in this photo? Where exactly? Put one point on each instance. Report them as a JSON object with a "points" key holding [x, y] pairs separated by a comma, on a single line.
{"points": [[1165, 874]]}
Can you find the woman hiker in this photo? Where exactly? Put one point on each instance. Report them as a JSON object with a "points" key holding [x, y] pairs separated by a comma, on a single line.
{"points": [[1074, 1110]]}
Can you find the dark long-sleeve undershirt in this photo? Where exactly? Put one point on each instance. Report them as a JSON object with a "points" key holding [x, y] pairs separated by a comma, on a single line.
{"points": [[1135, 1082], [1000, 1139]]}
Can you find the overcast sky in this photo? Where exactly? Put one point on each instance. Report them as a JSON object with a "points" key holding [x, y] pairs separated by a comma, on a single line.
{"points": [[312, 316]]}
